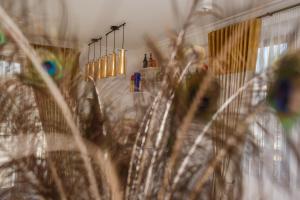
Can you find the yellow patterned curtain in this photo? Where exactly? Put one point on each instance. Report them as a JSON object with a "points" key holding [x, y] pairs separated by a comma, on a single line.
{"points": [[234, 48], [232, 58], [53, 122], [50, 114]]}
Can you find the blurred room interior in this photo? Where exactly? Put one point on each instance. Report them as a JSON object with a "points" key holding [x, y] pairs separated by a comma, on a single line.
{"points": [[139, 99]]}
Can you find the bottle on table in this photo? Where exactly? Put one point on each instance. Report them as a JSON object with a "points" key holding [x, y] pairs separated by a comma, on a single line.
{"points": [[152, 62], [145, 62]]}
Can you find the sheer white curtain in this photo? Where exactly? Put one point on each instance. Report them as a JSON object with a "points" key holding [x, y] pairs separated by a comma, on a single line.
{"points": [[7, 68], [279, 34]]}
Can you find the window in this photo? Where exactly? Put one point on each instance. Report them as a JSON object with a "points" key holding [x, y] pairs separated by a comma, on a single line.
{"points": [[268, 54], [9, 68]]}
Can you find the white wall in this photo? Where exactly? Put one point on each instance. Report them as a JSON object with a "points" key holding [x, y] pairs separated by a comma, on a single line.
{"points": [[115, 91]]}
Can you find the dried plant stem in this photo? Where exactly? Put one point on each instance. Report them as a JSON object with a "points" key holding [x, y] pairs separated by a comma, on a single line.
{"points": [[183, 129], [185, 125], [61, 142], [111, 174], [57, 180], [209, 171], [179, 41], [143, 132], [198, 140], [160, 134], [141, 136], [30, 176], [104, 129], [154, 107], [135, 152], [231, 142], [24, 45], [287, 138]]}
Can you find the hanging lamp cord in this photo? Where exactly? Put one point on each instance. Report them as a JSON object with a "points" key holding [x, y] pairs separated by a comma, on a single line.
{"points": [[89, 53], [94, 51], [123, 37], [106, 46], [100, 47], [114, 40]]}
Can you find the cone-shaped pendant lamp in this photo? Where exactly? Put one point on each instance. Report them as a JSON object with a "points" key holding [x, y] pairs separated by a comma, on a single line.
{"points": [[122, 57], [122, 62], [99, 62], [109, 69], [87, 66], [112, 63], [104, 66], [104, 62]]}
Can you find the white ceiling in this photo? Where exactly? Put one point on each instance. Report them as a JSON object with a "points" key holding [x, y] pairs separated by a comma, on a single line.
{"points": [[152, 17], [92, 18]]}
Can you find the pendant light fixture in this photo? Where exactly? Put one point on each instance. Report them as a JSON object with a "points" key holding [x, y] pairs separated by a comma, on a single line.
{"points": [[99, 63], [105, 61], [109, 64], [122, 56], [87, 66], [106, 66], [114, 58], [112, 62]]}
